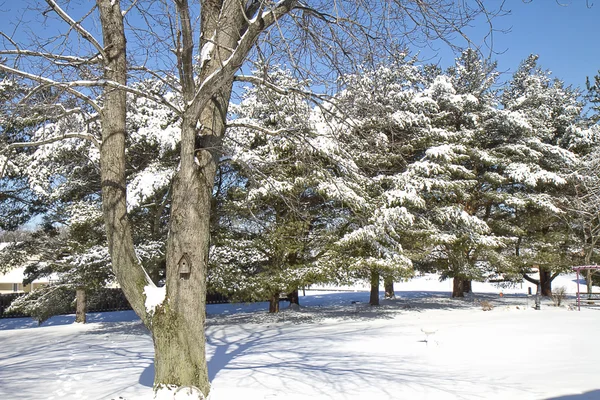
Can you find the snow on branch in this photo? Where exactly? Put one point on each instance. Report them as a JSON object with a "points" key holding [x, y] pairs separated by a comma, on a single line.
{"points": [[257, 128], [64, 136], [257, 25], [316, 98], [70, 60], [67, 86], [70, 88]]}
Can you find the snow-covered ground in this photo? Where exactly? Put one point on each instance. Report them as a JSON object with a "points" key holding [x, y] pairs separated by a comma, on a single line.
{"points": [[422, 345]]}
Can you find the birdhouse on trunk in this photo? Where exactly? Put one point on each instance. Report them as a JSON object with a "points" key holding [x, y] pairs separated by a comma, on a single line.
{"points": [[185, 267]]}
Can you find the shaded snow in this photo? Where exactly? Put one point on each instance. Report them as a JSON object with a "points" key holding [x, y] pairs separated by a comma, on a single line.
{"points": [[334, 347]]}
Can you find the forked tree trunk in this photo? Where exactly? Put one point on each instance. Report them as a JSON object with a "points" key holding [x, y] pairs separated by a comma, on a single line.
{"points": [[374, 296], [177, 325], [80, 305], [544, 282], [458, 287], [388, 285]]}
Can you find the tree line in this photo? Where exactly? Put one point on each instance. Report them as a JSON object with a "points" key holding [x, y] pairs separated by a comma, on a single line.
{"points": [[118, 126]]}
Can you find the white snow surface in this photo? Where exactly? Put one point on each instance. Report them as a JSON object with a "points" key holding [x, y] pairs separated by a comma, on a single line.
{"points": [[421, 345], [154, 296]]}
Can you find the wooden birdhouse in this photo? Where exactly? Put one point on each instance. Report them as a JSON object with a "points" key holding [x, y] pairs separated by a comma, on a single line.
{"points": [[185, 266]]}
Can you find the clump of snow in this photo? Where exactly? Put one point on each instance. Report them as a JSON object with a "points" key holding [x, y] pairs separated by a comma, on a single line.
{"points": [[154, 296], [172, 392]]}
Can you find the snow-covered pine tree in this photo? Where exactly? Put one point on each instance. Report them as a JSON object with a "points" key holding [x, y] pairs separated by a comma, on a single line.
{"points": [[18, 116], [545, 117], [456, 175], [286, 182], [64, 177], [378, 120]]}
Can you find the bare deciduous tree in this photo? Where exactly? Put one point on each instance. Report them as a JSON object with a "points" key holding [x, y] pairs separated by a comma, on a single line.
{"points": [[195, 49]]}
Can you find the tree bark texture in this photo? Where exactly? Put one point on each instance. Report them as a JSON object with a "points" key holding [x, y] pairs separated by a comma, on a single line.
{"points": [[589, 281], [80, 305], [374, 297], [177, 326], [274, 303], [128, 271], [294, 297], [388, 285], [546, 281], [467, 286], [458, 287]]}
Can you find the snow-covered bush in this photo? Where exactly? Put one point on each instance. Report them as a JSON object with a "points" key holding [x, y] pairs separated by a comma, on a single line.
{"points": [[558, 295]]}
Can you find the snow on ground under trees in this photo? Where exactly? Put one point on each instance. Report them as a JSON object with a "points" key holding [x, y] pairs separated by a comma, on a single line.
{"points": [[422, 345]]}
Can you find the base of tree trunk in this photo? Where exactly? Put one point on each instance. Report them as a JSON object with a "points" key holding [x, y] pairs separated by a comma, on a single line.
{"points": [[178, 360], [546, 282], [467, 286], [294, 297], [458, 287], [274, 303], [388, 285], [81, 306], [374, 297]]}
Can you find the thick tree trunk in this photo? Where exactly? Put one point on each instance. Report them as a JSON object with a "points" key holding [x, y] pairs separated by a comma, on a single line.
{"points": [[81, 305], [546, 282], [274, 303], [467, 286], [458, 287], [177, 325], [589, 282], [294, 297], [388, 285], [374, 296]]}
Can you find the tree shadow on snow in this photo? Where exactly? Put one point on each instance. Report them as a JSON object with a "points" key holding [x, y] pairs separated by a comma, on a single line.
{"points": [[348, 306], [59, 320], [256, 355], [592, 395]]}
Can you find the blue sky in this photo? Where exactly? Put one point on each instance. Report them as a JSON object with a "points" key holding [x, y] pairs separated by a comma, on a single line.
{"points": [[567, 38]]}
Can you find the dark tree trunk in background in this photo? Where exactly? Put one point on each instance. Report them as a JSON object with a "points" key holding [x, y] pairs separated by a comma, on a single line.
{"points": [[388, 284], [374, 298], [458, 287], [294, 297], [81, 305], [274, 303], [467, 286], [546, 282]]}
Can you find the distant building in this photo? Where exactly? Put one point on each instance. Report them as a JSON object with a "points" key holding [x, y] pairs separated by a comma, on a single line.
{"points": [[12, 282]]}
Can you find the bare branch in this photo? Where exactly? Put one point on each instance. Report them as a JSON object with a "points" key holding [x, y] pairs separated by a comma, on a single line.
{"points": [[72, 60], [257, 128], [76, 25], [67, 86], [55, 139]]}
